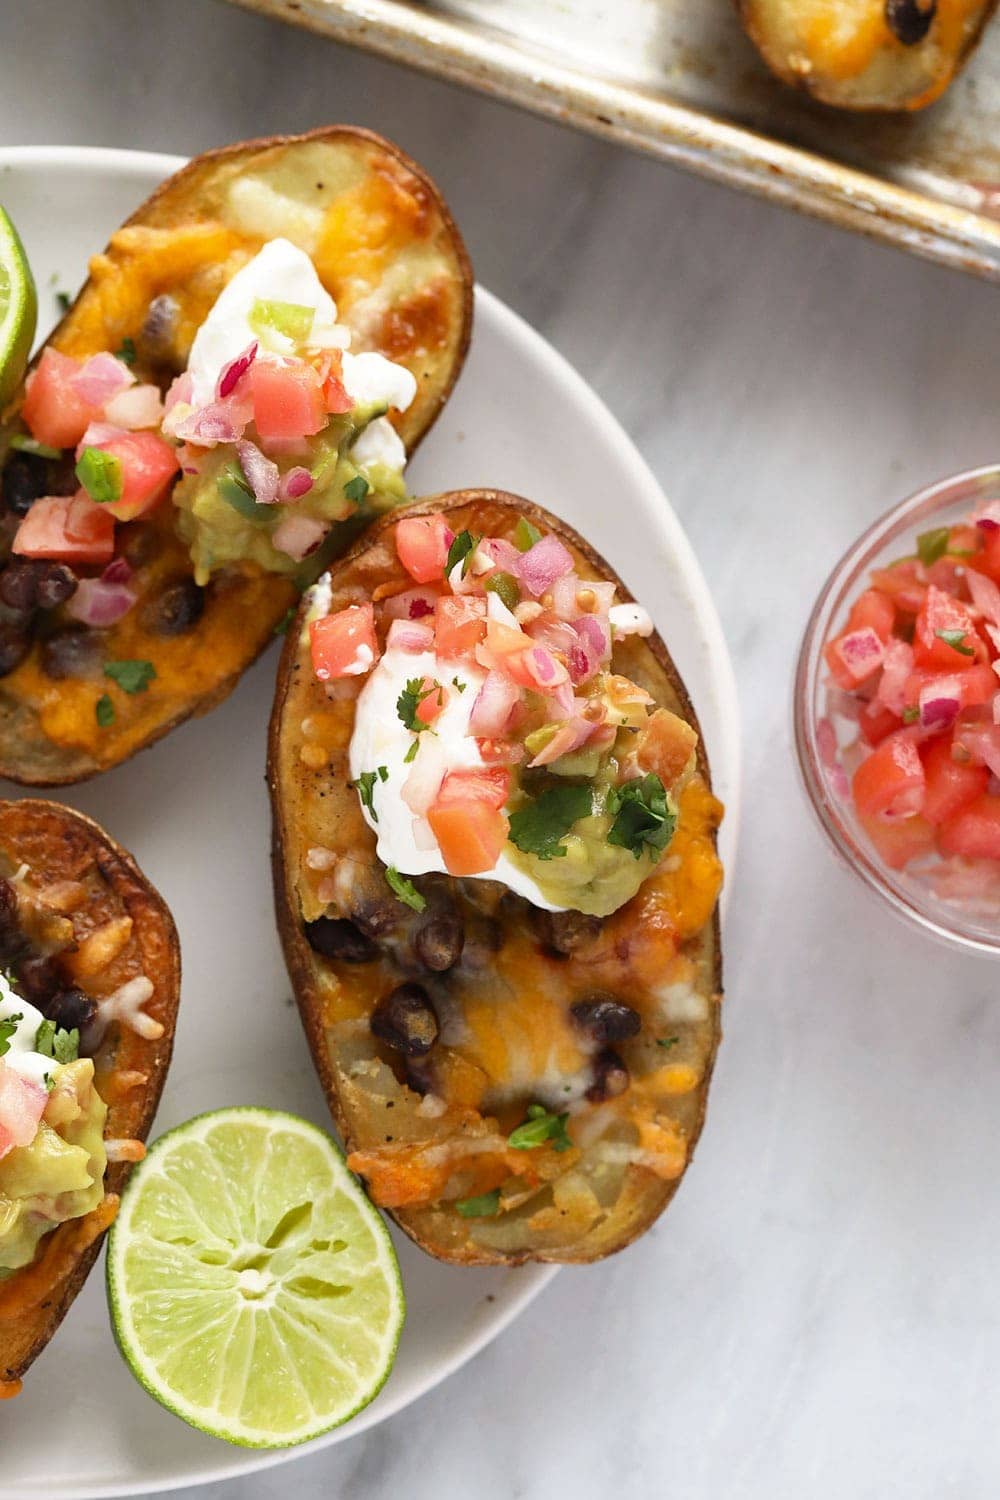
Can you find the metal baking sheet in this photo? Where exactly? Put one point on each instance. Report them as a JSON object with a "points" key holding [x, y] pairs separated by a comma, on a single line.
{"points": [[678, 79]]}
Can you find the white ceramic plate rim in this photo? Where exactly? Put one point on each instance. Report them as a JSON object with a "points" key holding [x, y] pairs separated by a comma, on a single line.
{"points": [[649, 497]]}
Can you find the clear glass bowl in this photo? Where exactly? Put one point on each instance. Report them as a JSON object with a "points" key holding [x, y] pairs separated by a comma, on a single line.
{"points": [[914, 893]]}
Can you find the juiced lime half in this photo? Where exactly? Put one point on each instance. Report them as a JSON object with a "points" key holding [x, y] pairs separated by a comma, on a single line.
{"points": [[254, 1290], [18, 309]]}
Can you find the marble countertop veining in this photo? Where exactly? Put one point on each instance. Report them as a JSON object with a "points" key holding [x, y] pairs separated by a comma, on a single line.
{"points": [[819, 1313]]}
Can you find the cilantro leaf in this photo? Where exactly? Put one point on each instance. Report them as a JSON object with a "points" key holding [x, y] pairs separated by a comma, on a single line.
{"points": [[364, 787], [64, 302], [410, 700], [411, 754], [126, 352], [483, 1207], [282, 626], [132, 676], [104, 711], [667, 1041], [458, 684], [357, 488], [537, 827], [66, 1046], [461, 551], [933, 544], [7, 1030], [25, 444], [539, 1128], [643, 816], [404, 889], [45, 1040], [954, 639]]}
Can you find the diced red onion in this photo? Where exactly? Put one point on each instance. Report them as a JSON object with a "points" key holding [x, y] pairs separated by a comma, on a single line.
{"points": [[982, 742], [261, 473], [410, 635], [988, 518], [426, 775], [568, 737], [412, 604], [498, 696], [562, 701], [99, 378], [542, 564], [138, 407], [501, 554], [862, 652], [939, 701], [117, 571], [985, 595], [219, 422], [297, 535], [234, 372], [826, 743], [98, 603], [897, 664], [542, 667], [180, 390], [996, 708], [553, 634], [97, 434], [296, 483]]}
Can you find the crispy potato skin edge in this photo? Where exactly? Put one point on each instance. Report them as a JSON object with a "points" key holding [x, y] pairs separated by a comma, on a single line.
{"points": [[149, 912], [803, 84], [299, 958], [80, 767]]}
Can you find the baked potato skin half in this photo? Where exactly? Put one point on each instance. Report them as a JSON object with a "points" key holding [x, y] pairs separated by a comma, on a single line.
{"points": [[63, 849], [386, 248], [316, 813], [867, 54]]}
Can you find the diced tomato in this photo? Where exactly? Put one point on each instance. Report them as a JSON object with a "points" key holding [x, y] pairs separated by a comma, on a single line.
{"points": [[975, 831], [890, 782], [459, 623], [876, 722], [873, 610], [939, 613], [666, 746], [422, 544], [470, 834], [335, 394], [288, 400], [490, 785], [148, 465], [988, 559], [496, 752], [22, 1104], [67, 528], [431, 706], [53, 411], [903, 583], [899, 841], [976, 685], [344, 644], [951, 784]]}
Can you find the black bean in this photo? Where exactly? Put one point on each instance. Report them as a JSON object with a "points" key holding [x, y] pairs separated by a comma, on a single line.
{"points": [[26, 585], [440, 941], [37, 979], [405, 1020], [563, 932], [420, 1075], [73, 653], [177, 609], [15, 643], [610, 1077], [155, 338], [13, 944], [376, 915], [910, 20], [25, 479], [339, 939], [70, 1008], [606, 1019]]}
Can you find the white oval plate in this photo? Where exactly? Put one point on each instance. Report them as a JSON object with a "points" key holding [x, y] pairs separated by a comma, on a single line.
{"points": [[194, 811]]}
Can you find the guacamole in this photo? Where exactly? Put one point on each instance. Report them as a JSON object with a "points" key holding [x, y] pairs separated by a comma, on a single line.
{"points": [[60, 1176], [222, 524], [593, 876]]}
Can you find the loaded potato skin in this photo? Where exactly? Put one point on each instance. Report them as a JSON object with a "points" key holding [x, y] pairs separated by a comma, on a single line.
{"points": [[89, 949], [85, 582], [867, 54], [460, 1023]]}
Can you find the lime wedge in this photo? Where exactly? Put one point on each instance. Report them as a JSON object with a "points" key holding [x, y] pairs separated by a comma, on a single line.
{"points": [[253, 1288], [18, 309]]}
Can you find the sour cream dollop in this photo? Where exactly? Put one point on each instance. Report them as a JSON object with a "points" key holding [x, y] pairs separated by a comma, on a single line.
{"points": [[21, 1056], [281, 272], [380, 738]]}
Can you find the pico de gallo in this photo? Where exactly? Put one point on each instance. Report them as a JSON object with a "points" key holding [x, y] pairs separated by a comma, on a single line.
{"points": [[915, 671], [274, 434], [492, 739]]}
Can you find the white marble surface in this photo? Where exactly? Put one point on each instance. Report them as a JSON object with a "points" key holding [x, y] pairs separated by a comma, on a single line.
{"points": [[819, 1314]]}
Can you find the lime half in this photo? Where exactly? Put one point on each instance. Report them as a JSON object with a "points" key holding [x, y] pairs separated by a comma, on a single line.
{"points": [[254, 1290], [18, 309]]}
